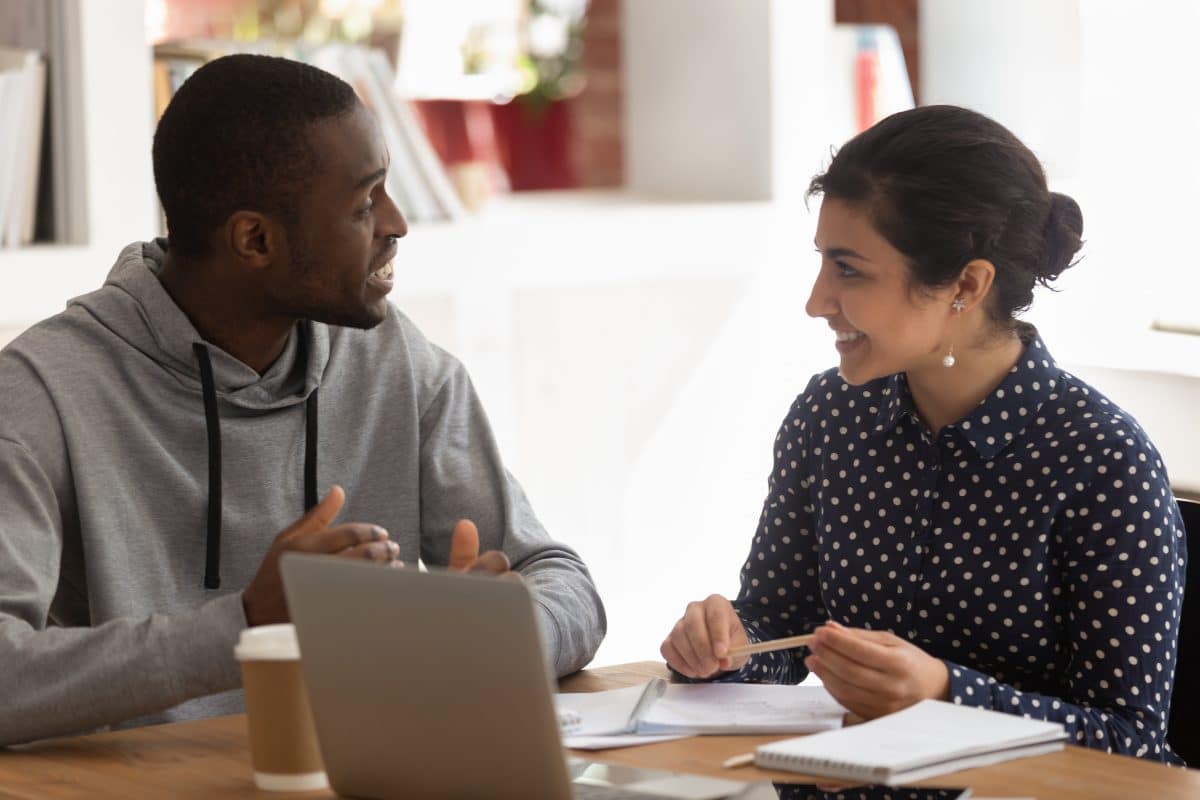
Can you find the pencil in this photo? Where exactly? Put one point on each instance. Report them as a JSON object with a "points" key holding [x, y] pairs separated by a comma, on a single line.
{"points": [[766, 647], [743, 760]]}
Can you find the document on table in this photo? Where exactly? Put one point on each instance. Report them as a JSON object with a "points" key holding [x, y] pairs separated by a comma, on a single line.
{"points": [[621, 717], [743, 708]]}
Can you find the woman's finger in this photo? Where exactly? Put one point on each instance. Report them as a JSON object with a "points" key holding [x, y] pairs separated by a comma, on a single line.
{"points": [[861, 675]]}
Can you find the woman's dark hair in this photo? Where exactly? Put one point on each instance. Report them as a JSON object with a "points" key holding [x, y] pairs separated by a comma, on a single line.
{"points": [[945, 186]]}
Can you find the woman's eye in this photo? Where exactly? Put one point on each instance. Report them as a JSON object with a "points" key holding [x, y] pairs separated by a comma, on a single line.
{"points": [[845, 270]]}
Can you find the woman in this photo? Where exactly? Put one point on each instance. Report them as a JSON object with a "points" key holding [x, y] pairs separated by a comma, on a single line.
{"points": [[954, 515]]}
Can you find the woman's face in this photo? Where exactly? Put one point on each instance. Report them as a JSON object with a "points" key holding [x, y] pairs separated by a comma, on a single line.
{"points": [[883, 324]]}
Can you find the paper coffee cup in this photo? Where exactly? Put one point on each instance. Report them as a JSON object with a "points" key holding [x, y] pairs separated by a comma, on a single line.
{"points": [[283, 743]]}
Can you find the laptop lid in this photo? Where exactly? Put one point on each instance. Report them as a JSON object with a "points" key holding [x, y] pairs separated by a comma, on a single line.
{"points": [[425, 684]]}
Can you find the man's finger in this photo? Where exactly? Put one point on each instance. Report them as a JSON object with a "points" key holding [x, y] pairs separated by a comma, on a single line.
{"points": [[493, 562], [382, 552], [464, 545], [335, 540], [319, 516]]}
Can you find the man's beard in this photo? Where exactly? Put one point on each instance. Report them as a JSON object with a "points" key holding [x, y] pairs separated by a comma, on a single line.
{"points": [[306, 269]]}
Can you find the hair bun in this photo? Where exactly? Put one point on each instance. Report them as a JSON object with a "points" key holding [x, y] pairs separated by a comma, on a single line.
{"points": [[1062, 238]]}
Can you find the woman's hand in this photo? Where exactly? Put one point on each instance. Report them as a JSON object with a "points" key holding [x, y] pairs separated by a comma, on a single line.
{"points": [[699, 644], [873, 673]]}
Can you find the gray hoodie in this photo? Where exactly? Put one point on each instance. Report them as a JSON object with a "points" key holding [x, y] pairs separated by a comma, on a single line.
{"points": [[105, 618]]}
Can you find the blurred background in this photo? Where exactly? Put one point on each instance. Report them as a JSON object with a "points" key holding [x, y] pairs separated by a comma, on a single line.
{"points": [[609, 226]]}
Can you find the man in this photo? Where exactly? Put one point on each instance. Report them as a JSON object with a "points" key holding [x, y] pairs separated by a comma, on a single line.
{"points": [[157, 436]]}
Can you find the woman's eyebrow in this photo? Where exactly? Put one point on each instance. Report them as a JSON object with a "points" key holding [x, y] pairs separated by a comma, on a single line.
{"points": [[842, 252]]}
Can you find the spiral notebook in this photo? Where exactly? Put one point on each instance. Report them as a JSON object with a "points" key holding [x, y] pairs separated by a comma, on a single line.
{"points": [[926, 739]]}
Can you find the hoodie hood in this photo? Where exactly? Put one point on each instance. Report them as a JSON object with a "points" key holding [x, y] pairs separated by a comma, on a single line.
{"points": [[134, 306]]}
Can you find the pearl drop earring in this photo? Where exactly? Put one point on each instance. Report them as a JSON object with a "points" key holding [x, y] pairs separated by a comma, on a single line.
{"points": [[948, 361]]}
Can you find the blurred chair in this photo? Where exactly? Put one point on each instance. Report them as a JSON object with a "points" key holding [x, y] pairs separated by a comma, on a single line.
{"points": [[1183, 727]]}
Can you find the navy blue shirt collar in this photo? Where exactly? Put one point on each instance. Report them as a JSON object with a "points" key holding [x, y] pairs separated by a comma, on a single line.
{"points": [[1002, 415]]}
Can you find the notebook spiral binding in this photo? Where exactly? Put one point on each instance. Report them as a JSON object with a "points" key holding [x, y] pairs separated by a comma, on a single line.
{"points": [[819, 766]]}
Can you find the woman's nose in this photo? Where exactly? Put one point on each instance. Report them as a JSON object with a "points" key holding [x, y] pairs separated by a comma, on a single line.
{"points": [[821, 302]]}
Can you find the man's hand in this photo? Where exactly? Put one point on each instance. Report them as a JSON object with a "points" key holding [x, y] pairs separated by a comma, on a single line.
{"points": [[699, 644], [873, 673], [263, 599], [465, 556]]}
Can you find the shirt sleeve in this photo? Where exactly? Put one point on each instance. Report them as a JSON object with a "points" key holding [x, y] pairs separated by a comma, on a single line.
{"points": [[1124, 557], [65, 680], [780, 591], [463, 477]]}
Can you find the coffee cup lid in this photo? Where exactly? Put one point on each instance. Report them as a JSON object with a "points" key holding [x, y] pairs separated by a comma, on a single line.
{"points": [[268, 643]]}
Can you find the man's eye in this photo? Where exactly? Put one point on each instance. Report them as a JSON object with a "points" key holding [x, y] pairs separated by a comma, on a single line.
{"points": [[365, 210]]}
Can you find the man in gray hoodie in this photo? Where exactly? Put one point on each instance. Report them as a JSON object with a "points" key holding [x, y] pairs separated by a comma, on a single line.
{"points": [[161, 440]]}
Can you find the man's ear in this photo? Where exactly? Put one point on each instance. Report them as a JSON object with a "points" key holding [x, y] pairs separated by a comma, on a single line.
{"points": [[253, 238], [974, 282]]}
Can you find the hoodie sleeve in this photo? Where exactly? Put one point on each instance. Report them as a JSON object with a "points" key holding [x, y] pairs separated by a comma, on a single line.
{"points": [[462, 477], [62, 676]]}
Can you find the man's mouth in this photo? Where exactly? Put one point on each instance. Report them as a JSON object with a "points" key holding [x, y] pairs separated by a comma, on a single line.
{"points": [[381, 279]]}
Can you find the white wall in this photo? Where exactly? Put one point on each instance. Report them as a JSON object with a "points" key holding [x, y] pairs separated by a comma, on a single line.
{"points": [[1097, 91], [724, 99], [108, 125], [636, 386], [1018, 61]]}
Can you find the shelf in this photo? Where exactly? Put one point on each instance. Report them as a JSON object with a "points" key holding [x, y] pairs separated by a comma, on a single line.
{"points": [[37, 281], [525, 240]]}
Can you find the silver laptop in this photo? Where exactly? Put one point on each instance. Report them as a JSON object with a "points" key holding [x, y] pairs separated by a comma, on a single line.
{"points": [[433, 685]]}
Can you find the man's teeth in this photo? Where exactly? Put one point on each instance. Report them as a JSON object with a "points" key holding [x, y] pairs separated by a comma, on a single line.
{"points": [[848, 336], [384, 272]]}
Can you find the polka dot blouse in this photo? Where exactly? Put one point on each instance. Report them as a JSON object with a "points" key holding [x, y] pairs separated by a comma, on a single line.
{"points": [[1034, 546]]}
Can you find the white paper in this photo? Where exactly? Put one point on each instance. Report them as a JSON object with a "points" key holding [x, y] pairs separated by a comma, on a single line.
{"points": [[742, 708], [687, 787], [612, 718], [607, 712], [618, 740]]}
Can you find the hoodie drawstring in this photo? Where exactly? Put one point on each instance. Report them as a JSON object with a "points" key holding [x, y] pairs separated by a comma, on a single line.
{"points": [[212, 422], [310, 451]]}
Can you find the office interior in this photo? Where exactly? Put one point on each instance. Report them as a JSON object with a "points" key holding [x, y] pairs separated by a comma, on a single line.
{"points": [[637, 338]]}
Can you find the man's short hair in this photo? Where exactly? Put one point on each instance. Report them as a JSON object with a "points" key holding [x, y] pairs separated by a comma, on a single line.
{"points": [[234, 137]]}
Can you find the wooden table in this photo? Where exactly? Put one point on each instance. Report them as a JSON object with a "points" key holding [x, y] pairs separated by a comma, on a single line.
{"points": [[209, 758]]}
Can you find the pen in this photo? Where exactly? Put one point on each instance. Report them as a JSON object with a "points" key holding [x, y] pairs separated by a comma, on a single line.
{"points": [[774, 644], [742, 760]]}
